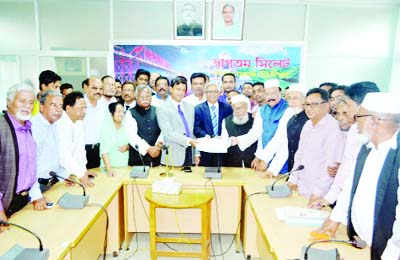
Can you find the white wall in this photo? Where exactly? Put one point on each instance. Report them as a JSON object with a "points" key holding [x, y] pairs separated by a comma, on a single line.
{"points": [[346, 41]]}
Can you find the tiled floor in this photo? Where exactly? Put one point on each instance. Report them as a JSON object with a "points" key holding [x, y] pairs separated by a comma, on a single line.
{"points": [[143, 251]]}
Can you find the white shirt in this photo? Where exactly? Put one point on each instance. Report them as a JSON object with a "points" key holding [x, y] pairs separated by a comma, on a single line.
{"points": [[134, 138], [93, 121], [47, 152], [362, 214], [253, 135], [347, 166], [131, 105], [156, 101], [192, 99], [71, 146], [278, 141]]}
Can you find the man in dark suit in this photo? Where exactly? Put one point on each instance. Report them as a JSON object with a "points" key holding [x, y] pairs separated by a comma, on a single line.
{"points": [[208, 119], [176, 118]]}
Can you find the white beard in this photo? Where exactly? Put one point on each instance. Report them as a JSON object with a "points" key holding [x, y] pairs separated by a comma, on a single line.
{"points": [[22, 116], [240, 120], [361, 138]]}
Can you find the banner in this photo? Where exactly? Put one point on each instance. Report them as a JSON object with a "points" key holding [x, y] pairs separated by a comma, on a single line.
{"points": [[250, 62]]}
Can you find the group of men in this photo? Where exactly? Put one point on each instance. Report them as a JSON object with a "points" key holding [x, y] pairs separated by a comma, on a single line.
{"points": [[341, 143]]}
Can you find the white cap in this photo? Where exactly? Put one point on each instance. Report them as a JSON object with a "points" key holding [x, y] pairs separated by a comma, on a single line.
{"points": [[381, 102], [272, 83], [297, 87], [240, 98]]}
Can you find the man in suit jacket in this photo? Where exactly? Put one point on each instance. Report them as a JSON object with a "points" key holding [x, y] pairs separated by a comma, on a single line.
{"points": [[176, 119], [208, 120]]}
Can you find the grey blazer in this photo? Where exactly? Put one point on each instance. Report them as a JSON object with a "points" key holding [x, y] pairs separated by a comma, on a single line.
{"points": [[173, 130]]}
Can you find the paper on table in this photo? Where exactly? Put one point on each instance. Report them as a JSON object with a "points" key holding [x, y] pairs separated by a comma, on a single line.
{"points": [[213, 145], [301, 216]]}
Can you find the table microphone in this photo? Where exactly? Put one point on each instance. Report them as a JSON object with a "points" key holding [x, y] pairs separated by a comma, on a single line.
{"points": [[167, 172], [281, 191], [70, 201], [139, 171], [19, 252], [312, 253]]}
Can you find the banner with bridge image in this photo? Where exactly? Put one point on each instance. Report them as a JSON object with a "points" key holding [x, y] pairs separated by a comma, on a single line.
{"points": [[250, 62]]}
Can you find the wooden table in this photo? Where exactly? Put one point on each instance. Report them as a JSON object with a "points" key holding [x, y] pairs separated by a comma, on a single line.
{"points": [[266, 237], [71, 234]]}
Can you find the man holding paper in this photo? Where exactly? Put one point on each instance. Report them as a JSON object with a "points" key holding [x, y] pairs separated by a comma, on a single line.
{"points": [[208, 120]]}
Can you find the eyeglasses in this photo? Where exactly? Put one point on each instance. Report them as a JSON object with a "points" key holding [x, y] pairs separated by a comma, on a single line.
{"points": [[314, 105], [356, 116]]}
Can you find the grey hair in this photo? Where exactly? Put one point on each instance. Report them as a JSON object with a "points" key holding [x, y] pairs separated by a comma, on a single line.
{"points": [[43, 96], [140, 88], [211, 84], [12, 91], [343, 99]]}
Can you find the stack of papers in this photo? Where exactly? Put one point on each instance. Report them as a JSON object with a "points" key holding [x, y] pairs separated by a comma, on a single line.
{"points": [[213, 145], [302, 216]]}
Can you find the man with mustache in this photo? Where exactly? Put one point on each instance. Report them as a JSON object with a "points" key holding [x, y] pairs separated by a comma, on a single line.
{"points": [[128, 95], [93, 120], [162, 87], [17, 151], [44, 132], [265, 122], [320, 147], [108, 84], [228, 84], [144, 131], [259, 97], [197, 83], [238, 123]]}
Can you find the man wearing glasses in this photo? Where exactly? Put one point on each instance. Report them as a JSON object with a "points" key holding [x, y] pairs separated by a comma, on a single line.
{"points": [[321, 146], [208, 120]]}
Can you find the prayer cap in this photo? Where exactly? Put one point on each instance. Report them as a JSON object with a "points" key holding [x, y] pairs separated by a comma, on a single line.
{"points": [[381, 102], [272, 83]]}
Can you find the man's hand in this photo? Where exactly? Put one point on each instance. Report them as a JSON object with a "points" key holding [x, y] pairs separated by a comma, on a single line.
{"points": [[254, 163], [318, 203], [312, 199], [153, 151], [85, 180], [40, 204], [193, 143], [262, 166], [123, 148], [234, 141], [293, 186], [3, 217], [197, 160], [332, 170], [329, 226], [266, 174]]}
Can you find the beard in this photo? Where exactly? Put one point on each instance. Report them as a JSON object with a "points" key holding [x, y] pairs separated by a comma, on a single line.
{"points": [[240, 120], [23, 116]]}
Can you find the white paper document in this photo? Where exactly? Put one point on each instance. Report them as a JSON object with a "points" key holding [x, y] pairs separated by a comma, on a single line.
{"points": [[213, 145], [302, 216]]}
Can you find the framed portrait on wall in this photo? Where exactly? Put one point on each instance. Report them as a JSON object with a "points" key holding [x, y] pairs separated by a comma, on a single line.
{"points": [[189, 19], [227, 19]]}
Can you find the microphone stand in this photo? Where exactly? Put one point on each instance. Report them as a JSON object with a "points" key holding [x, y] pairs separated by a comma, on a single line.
{"points": [[19, 252], [70, 201], [141, 172], [167, 172], [330, 254], [214, 172], [282, 191]]}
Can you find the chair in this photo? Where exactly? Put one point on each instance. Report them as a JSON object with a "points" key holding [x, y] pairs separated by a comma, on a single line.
{"points": [[188, 198]]}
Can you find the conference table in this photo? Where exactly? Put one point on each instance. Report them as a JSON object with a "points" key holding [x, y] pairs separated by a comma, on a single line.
{"points": [[80, 234]]}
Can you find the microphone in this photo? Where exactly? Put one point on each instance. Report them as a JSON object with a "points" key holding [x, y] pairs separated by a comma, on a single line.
{"points": [[53, 174], [70, 201], [334, 254], [281, 191], [138, 171], [19, 252]]}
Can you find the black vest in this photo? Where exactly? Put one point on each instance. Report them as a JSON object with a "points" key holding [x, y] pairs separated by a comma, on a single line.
{"points": [[148, 130], [235, 156], [294, 127], [386, 198]]}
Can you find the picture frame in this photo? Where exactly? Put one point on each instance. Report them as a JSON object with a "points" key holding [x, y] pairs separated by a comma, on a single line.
{"points": [[189, 19], [227, 19]]}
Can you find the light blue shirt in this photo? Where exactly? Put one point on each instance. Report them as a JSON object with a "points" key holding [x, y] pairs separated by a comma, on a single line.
{"points": [[47, 152]]}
